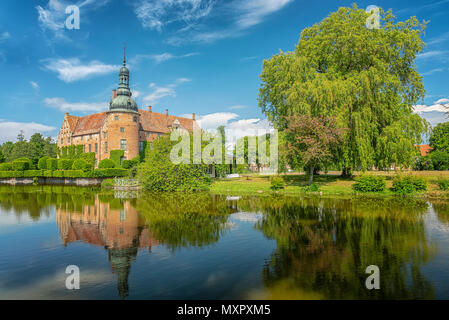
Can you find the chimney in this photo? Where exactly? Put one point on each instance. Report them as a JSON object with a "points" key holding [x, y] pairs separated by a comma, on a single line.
{"points": [[114, 94], [66, 114], [166, 112], [149, 108], [193, 116]]}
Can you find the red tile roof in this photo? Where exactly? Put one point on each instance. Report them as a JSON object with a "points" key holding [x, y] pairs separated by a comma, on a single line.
{"points": [[150, 121], [425, 149], [90, 124]]}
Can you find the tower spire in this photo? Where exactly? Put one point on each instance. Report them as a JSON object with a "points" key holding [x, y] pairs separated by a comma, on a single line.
{"points": [[124, 53]]}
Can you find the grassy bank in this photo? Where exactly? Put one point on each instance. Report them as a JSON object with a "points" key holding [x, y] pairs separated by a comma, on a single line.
{"points": [[330, 184]]}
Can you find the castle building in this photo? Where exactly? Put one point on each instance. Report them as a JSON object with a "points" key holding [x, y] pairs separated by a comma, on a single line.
{"points": [[124, 126]]}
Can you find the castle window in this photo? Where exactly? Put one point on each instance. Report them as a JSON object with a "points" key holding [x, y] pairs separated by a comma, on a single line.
{"points": [[122, 129], [105, 147], [116, 117], [148, 134], [135, 119], [84, 148], [68, 139], [151, 145], [105, 135], [96, 147], [90, 148], [122, 215], [123, 144], [141, 145], [62, 140]]}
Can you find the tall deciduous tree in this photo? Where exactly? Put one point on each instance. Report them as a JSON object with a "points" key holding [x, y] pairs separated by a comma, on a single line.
{"points": [[312, 139], [365, 77], [439, 139]]}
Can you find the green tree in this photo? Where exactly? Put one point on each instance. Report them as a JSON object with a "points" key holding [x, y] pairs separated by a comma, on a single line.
{"points": [[36, 147], [367, 78], [21, 147], [311, 140], [7, 148], [2, 157], [439, 138]]}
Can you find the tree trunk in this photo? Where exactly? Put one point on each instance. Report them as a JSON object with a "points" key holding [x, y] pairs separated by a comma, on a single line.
{"points": [[346, 173], [311, 170]]}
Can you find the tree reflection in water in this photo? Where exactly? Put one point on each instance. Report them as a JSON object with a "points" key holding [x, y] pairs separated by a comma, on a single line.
{"points": [[324, 247]]}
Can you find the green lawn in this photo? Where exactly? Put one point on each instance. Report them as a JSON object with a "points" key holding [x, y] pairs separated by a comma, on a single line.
{"points": [[330, 184]]}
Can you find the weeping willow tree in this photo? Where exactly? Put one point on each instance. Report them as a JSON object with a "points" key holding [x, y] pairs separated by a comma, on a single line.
{"points": [[365, 77]]}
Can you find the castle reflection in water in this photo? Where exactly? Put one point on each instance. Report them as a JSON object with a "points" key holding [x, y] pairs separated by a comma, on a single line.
{"points": [[121, 231]]}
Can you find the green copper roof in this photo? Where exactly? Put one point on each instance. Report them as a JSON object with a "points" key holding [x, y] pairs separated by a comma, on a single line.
{"points": [[123, 102]]}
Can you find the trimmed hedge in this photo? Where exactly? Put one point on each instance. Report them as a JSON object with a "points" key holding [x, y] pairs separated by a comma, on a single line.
{"points": [[77, 174], [106, 164], [11, 174], [116, 156], [20, 165], [128, 164], [109, 173], [52, 164], [5, 167], [33, 173], [65, 164], [42, 163], [79, 165], [369, 183]]}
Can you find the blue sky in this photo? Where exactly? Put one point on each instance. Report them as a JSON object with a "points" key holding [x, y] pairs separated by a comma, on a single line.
{"points": [[201, 56]]}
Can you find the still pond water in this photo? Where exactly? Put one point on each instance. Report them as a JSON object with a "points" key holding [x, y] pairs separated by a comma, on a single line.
{"points": [[206, 246]]}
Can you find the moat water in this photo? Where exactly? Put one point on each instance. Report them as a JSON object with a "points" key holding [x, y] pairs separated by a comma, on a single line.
{"points": [[203, 246]]}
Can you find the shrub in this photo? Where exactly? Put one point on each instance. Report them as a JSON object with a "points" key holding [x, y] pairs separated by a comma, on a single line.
{"points": [[52, 164], [42, 163], [312, 188], [106, 164], [48, 173], [128, 164], [79, 165], [65, 164], [440, 160], [11, 174], [25, 159], [107, 183], [110, 172], [443, 184], [20, 165], [89, 157], [277, 183], [116, 156], [408, 184], [33, 173], [76, 174], [58, 174], [369, 183], [6, 167], [423, 163]]}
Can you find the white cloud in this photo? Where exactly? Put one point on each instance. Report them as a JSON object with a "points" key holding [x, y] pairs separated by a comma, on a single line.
{"points": [[431, 54], [442, 101], [85, 107], [189, 20], [161, 92], [430, 72], [9, 129], [159, 58], [157, 14], [5, 36], [238, 107], [52, 16], [436, 107], [34, 85], [215, 120], [70, 70]]}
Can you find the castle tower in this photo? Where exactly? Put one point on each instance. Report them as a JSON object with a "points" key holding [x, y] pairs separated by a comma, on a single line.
{"points": [[123, 118]]}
